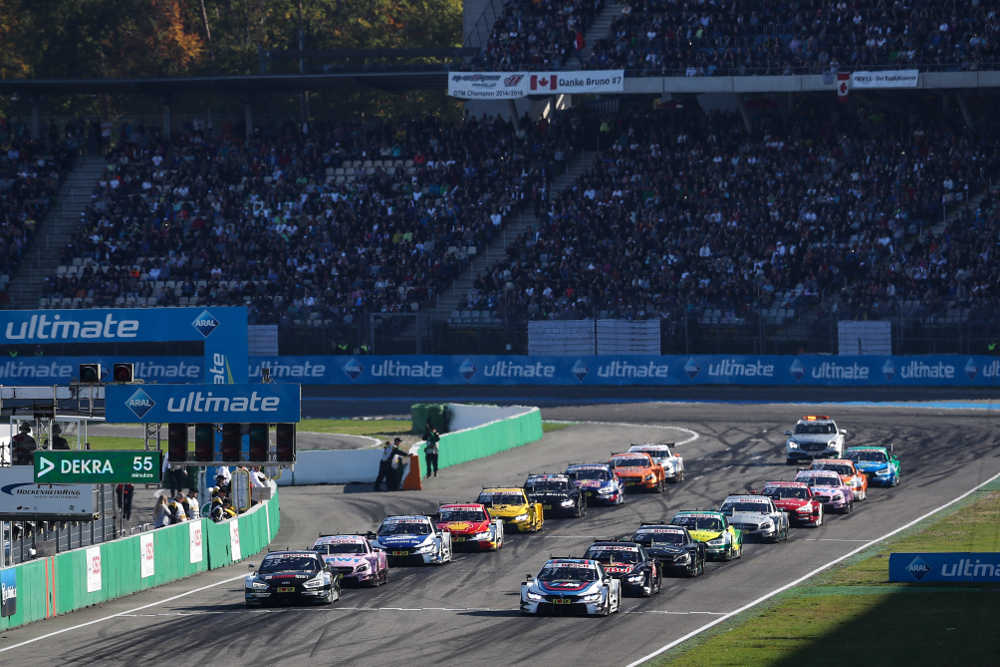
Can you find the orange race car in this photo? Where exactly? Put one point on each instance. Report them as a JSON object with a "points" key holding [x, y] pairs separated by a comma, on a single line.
{"points": [[638, 470], [853, 478]]}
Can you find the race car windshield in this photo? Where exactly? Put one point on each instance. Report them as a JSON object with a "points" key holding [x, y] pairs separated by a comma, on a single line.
{"points": [[729, 508], [285, 563], [589, 474], [698, 522], [556, 573], [501, 499], [462, 515], [342, 548], [838, 468], [822, 480], [546, 485], [607, 556], [404, 528], [627, 462], [867, 456], [785, 492], [814, 429], [665, 538]]}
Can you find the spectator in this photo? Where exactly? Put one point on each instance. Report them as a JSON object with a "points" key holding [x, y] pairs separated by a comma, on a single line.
{"points": [[161, 512], [431, 439], [390, 452], [123, 496], [58, 441], [176, 509], [23, 445], [189, 503]]}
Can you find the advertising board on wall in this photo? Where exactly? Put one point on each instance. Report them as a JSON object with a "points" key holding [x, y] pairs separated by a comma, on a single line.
{"points": [[8, 592], [192, 403], [94, 582], [22, 499], [948, 567], [514, 85]]}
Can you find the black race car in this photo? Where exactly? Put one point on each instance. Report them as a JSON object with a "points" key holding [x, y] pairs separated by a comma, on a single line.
{"points": [[292, 576], [630, 563], [673, 547], [557, 493]]}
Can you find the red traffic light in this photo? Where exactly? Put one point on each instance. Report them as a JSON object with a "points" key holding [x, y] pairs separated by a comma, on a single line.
{"points": [[177, 442], [285, 443], [204, 442], [259, 443], [123, 372], [232, 434]]}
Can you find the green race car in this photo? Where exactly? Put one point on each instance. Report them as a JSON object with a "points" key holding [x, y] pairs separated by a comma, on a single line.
{"points": [[723, 541]]}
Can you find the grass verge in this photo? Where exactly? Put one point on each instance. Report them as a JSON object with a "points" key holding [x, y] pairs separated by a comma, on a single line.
{"points": [[853, 610]]}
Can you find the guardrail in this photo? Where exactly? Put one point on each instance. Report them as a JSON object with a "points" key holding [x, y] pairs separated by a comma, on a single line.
{"points": [[59, 584]]}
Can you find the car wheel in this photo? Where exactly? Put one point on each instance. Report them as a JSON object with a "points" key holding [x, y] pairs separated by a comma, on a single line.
{"points": [[647, 586], [895, 480], [661, 486], [581, 509], [329, 597], [701, 567], [606, 611], [385, 576], [848, 508], [659, 582]]}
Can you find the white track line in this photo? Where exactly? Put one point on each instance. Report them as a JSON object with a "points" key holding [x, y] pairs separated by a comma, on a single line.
{"points": [[693, 435], [130, 612], [809, 575]]}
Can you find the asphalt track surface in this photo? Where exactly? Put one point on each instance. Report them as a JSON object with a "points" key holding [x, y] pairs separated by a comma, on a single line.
{"points": [[466, 612]]}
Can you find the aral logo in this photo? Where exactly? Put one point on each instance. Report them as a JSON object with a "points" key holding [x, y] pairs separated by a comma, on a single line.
{"points": [[467, 369], [352, 369], [692, 368], [205, 323], [139, 403], [579, 370], [918, 568], [797, 370], [889, 369]]}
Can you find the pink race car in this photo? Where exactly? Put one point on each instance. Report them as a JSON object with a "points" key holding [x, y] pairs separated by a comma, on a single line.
{"points": [[354, 558], [829, 489]]}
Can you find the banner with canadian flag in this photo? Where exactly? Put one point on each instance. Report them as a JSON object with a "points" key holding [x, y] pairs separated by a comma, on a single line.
{"points": [[513, 85]]}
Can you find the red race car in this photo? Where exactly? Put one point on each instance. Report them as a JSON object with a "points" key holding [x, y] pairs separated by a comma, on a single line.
{"points": [[470, 524], [797, 499]]}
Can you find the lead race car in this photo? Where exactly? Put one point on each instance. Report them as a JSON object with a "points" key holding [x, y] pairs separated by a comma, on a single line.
{"points": [[638, 470], [354, 558], [291, 576], [471, 524], [571, 585], [413, 537], [598, 482]]}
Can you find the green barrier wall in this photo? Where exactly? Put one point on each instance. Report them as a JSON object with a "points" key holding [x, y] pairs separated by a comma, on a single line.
{"points": [[31, 590], [489, 439], [121, 569]]}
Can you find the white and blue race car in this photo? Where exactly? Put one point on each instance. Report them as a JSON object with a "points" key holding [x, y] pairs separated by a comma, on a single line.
{"points": [[413, 537], [598, 482], [571, 585]]}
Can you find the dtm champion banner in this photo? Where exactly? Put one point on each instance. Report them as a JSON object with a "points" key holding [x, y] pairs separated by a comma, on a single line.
{"points": [[806, 370], [193, 403], [513, 85]]}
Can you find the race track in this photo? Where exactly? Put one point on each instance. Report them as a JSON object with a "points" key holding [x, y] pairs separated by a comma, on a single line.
{"points": [[466, 612]]}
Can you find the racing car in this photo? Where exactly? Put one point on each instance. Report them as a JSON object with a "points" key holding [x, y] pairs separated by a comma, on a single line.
{"points": [[354, 558], [828, 488], [413, 537], [598, 482], [571, 585], [673, 547], [756, 517], [815, 436], [512, 505], [471, 524], [630, 563], [291, 576], [723, 541], [878, 463], [557, 493], [848, 473], [638, 470], [673, 465], [797, 499]]}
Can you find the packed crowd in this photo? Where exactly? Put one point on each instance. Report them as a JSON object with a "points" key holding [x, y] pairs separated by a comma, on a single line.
{"points": [[30, 175], [699, 38], [830, 211], [209, 217], [178, 501]]}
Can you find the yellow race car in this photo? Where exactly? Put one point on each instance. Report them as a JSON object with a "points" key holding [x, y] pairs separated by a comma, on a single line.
{"points": [[512, 505]]}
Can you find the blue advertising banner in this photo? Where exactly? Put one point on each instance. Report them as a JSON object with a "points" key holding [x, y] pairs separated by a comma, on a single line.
{"points": [[669, 370], [8, 592], [222, 328], [212, 403], [956, 567]]}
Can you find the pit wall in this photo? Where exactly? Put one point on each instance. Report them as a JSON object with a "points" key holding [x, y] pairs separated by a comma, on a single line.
{"points": [[87, 576], [485, 430]]}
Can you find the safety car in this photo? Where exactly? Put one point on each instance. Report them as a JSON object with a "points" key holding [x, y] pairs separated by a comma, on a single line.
{"points": [[673, 464], [291, 576], [797, 499], [723, 541], [630, 563], [557, 493], [756, 517], [413, 537], [511, 504], [638, 470], [877, 462], [829, 489], [673, 547], [571, 585], [471, 525], [354, 557], [815, 436], [851, 476], [598, 482]]}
